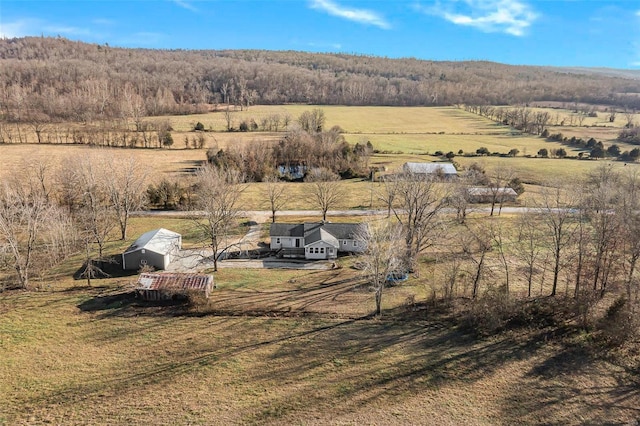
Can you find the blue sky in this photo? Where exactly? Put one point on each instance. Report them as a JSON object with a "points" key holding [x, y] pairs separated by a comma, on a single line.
{"points": [[594, 33]]}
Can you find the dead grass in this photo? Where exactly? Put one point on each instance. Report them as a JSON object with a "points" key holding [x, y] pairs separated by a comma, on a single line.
{"points": [[79, 356]]}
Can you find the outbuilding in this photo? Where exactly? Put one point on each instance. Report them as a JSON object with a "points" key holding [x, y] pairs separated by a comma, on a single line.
{"points": [[168, 286], [442, 170], [155, 248]]}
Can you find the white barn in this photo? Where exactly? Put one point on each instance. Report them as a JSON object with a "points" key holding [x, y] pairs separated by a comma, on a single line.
{"points": [[155, 248], [447, 170]]}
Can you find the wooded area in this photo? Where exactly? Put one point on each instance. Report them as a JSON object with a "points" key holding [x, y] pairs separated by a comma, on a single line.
{"points": [[51, 79]]}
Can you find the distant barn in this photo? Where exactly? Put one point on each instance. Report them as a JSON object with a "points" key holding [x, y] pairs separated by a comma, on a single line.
{"points": [[444, 170], [168, 286], [155, 248]]}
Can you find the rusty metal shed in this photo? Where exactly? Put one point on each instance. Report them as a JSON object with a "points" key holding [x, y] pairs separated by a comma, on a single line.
{"points": [[166, 286]]}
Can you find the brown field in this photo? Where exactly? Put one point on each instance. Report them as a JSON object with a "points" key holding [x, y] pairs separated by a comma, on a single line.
{"points": [[300, 347], [281, 347]]}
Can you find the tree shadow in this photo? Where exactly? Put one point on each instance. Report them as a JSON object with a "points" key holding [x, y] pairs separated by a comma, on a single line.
{"points": [[575, 385]]}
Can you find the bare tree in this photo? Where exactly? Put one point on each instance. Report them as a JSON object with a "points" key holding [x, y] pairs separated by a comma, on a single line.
{"points": [[420, 199], [276, 194], [459, 198], [557, 213], [528, 248], [602, 193], [498, 182], [476, 243], [218, 192], [630, 243], [383, 254], [325, 188], [500, 235], [312, 121], [388, 191], [23, 222], [125, 186], [85, 195], [629, 115]]}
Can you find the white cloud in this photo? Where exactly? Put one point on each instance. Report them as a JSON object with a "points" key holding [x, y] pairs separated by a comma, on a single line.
{"points": [[185, 5], [507, 16], [19, 28], [66, 30], [362, 16]]}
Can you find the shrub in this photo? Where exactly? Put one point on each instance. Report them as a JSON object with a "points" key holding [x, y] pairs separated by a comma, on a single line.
{"points": [[544, 153], [199, 127]]}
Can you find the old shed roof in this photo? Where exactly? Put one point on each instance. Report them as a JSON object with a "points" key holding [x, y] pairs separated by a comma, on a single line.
{"points": [[174, 281]]}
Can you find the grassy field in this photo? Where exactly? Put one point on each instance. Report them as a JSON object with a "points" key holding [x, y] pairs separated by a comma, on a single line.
{"points": [[281, 347], [300, 347]]}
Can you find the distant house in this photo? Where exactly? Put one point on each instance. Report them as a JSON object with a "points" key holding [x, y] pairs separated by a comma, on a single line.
{"points": [[314, 240], [445, 170], [295, 171], [155, 248], [486, 195], [167, 286]]}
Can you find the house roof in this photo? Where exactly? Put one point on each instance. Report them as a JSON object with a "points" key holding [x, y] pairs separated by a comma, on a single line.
{"points": [[480, 190], [430, 168], [173, 281], [320, 234], [159, 241], [314, 231], [286, 230]]}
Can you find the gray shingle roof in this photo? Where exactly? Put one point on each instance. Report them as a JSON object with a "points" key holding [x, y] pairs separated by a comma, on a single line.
{"points": [[311, 230]]}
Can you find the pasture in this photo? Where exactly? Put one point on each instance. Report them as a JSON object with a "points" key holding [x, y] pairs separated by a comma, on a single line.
{"points": [[291, 346], [398, 134], [279, 347]]}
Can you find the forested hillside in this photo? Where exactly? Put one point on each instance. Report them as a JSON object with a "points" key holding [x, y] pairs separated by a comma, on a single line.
{"points": [[57, 79]]}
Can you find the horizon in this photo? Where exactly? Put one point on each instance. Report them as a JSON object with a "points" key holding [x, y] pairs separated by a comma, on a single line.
{"points": [[565, 34]]}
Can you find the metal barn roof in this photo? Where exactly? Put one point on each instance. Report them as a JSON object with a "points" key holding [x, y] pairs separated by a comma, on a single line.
{"points": [[430, 168], [161, 241]]}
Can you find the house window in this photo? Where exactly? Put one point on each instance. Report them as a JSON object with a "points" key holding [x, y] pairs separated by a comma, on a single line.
{"points": [[278, 240], [322, 250], [316, 250], [330, 251], [355, 243], [344, 242]]}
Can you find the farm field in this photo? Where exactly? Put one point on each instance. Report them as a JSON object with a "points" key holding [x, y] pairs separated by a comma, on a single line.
{"points": [[78, 355], [399, 134], [301, 347]]}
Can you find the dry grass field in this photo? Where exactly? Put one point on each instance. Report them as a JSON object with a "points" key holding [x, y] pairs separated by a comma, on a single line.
{"points": [[282, 347], [300, 347]]}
